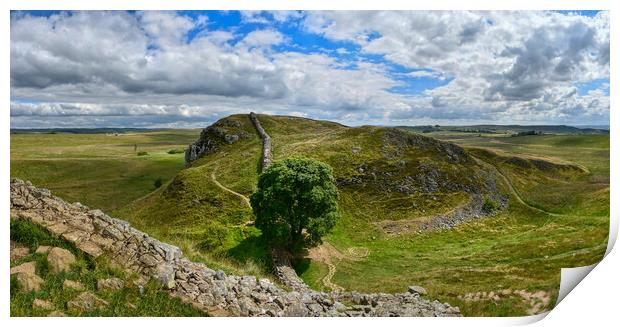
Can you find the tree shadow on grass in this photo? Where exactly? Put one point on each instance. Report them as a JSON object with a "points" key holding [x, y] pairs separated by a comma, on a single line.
{"points": [[253, 248], [300, 264]]}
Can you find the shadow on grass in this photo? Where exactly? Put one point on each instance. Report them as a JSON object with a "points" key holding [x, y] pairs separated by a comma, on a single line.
{"points": [[252, 249], [300, 264]]}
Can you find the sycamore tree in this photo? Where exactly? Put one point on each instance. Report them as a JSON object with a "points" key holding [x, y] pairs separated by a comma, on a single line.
{"points": [[296, 202]]}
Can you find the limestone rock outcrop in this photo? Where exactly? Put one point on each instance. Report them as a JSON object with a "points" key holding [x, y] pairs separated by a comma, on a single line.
{"points": [[225, 131]]}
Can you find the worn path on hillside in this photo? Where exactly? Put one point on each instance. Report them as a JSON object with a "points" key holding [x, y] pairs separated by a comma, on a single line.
{"points": [[242, 197], [513, 190], [326, 252]]}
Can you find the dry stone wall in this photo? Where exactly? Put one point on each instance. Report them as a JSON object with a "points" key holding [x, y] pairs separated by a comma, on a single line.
{"points": [[282, 266], [212, 291], [266, 160]]}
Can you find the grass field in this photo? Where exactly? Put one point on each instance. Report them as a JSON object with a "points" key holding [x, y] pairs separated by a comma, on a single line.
{"points": [[100, 170], [516, 254]]}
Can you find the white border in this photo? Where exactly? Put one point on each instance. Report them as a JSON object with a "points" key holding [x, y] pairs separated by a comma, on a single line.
{"points": [[593, 301]]}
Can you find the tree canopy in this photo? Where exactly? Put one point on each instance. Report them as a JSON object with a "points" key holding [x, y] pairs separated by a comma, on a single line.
{"points": [[296, 202]]}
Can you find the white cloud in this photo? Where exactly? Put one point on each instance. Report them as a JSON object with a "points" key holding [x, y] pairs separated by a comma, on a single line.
{"points": [[503, 66], [262, 38]]}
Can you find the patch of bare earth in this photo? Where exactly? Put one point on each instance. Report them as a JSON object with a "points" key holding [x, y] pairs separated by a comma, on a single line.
{"points": [[328, 254]]}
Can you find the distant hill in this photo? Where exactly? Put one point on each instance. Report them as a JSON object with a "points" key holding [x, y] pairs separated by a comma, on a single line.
{"points": [[508, 129], [106, 130]]}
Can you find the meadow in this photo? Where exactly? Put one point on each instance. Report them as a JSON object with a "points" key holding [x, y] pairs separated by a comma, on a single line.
{"points": [[100, 170], [505, 264]]}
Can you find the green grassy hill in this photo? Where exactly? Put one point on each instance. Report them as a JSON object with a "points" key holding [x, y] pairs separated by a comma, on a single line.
{"points": [[383, 174], [391, 181]]}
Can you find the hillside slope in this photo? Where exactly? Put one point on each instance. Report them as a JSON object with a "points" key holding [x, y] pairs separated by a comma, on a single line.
{"points": [[391, 182], [393, 185]]}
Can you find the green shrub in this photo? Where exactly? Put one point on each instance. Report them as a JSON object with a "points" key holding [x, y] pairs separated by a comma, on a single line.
{"points": [[143, 153], [489, 205], [158, 182], [175, 151]]}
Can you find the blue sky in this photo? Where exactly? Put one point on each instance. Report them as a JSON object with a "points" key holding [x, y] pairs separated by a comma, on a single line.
{"points": [[187, 68]]}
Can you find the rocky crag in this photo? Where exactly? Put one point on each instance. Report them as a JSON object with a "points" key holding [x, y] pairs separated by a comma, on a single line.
{"points": [[225, 131], [212, 291]]}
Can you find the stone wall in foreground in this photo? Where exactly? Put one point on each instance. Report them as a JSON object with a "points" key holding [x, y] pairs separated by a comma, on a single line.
{"points": [[214, 292]]}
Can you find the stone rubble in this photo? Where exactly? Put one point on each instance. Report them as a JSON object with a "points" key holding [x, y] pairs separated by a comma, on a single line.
{"points": [[60, 259], [42, 304], [110, 284], [211, 291], [26, 276], [86, 301]]}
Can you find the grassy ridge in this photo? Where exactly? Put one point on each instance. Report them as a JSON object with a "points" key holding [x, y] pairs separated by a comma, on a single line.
{"points": [[186, 211], [516, 249], [581, 194]]}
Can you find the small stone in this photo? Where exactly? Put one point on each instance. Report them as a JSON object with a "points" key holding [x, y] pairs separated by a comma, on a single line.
{"points": [[86, 301], [220, 275], [60, 259], [111, 284], [42, 304], [231, 138], [90, 248], [149, 260], [29, 282], [181, 275], [259, 297], [72, 285], [280, 302], [164, 273], [414, 289], [57, 313], [18, 251], [27, 268], [18, 202], [296, 310], [43, 249]]}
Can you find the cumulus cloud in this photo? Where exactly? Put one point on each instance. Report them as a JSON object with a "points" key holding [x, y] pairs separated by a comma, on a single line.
{"points": [[515, 57], [262, 38], [146, 69]]}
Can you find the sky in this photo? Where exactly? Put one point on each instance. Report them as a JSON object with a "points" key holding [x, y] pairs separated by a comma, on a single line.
{"points": [[179, 69]]}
